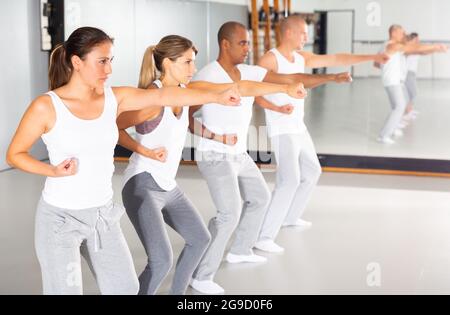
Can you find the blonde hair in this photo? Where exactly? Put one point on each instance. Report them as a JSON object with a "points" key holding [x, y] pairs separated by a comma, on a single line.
{"points": [[290, 22], [171, 47]]}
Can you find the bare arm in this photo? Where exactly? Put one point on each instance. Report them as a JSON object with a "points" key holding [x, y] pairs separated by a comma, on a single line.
{"points": [[264, 103], [411, 49], [135, 117], [336, 60], [197, 128], [253, 88], [130, 98], [38, 119], [309, 80], [269, 62], [129, 143]]}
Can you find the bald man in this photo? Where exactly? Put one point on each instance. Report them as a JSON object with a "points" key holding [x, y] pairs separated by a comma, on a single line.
{"points": [[394, 74], [298, 168], [237, 187]]}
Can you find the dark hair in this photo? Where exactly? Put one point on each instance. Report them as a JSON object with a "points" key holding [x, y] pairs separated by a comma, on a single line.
{"points": [[413, 35], [80, 43], [226, 30]]}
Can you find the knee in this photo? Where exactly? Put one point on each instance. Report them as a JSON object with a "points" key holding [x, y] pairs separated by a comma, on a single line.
{"points": [[200, 240], [204, 240], [264, 201], [227, 222], [161, 263], [260, 201], [316, 171], [288, 183]]}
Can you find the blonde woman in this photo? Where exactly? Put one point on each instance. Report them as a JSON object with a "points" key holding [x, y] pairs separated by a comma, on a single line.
{"points": [[150, 194]]}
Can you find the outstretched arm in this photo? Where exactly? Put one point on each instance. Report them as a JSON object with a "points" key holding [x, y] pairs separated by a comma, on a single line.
{"points": [[269, 62], [130, 98], [420, 49], [253, 88], [336, 60], [309, 80]]}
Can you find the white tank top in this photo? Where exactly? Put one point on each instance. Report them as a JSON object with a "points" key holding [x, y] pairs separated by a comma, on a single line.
{"points": [[394, 71], [412, 63], [171, 134], [279, 123], [92, 143]]}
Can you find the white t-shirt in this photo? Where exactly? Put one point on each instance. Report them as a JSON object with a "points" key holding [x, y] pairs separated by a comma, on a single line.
{"points": [[228, 119]]}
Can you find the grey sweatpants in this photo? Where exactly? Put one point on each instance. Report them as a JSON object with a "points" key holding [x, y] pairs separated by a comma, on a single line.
{"points": [[411, 85], [61, 235], [230, 178], [398, 98], [298, 171], [148, 207]]}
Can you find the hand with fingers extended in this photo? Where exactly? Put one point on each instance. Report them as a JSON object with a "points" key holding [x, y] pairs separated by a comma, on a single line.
{"points": [[66, 168], [344, 77], [297, 90], [286, 109]]}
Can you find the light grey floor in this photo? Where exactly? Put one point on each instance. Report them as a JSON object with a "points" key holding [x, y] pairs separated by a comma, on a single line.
{"points": [[400, 226]]}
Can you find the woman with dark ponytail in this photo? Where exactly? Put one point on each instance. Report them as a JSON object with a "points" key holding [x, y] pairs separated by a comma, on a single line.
{"points": [[77, 122]]}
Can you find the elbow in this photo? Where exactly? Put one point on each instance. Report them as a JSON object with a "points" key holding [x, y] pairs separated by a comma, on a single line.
{"points": [[10, 159]]}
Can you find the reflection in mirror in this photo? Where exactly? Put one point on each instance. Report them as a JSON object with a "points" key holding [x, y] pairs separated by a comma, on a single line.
{"points": [[397, 110]]}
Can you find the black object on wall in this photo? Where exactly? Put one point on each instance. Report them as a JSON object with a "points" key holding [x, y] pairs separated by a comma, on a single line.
{"points": [[320, 38], [56, 21]]}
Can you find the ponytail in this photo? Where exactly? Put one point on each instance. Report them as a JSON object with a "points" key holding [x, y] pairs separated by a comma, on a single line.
{"points": [[148, 68], [59, 71]]}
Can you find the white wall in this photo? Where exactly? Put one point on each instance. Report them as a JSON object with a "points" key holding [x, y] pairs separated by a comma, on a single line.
{"points": [[429, 18], [23, 67], [145, 22]]}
